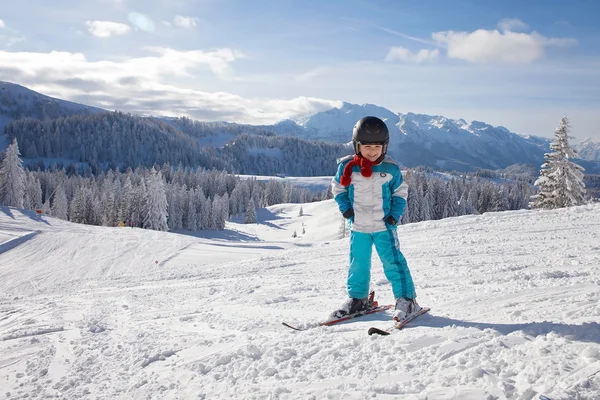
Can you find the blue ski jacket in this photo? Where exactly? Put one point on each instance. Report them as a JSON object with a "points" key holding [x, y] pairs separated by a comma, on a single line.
{"points": [[374, 198]]}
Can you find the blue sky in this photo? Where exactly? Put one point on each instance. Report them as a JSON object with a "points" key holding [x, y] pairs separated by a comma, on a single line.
{"points": [[520, 64]]}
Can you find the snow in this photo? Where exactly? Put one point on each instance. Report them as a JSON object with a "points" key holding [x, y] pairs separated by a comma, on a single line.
{"points": [[122, 313], [315, 183]]}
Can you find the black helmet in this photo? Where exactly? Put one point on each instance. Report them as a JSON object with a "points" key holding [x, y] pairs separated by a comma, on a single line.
{"points": [[370, 130]]}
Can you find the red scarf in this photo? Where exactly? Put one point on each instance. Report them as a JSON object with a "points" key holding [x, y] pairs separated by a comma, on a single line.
{"points": [[365, 168]]}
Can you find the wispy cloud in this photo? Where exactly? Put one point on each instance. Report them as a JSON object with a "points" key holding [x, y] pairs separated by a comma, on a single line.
{"points": [[185, 22], [558, 42], [104, 29], [9, 37], [315, 73], [490, 46], [403, 54], [512, 24], [141, 21], [405, 36]]}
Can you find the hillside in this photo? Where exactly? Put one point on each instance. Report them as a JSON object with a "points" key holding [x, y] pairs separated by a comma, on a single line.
{"points": [[415, 139], [18, 102], [433, 141], [119, 313]]}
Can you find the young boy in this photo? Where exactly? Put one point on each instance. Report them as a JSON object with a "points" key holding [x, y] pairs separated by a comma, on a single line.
{"points": [[371, 193]]}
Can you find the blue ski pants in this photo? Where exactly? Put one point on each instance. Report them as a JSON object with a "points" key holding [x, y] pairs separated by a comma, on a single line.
{"points": [[395, 267]]}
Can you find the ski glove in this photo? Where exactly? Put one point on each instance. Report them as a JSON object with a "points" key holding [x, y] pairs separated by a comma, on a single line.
{"points": [[390, 220], [349, 213]]}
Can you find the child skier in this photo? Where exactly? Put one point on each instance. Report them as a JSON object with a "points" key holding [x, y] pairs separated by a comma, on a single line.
{"points": [[371, 193]]}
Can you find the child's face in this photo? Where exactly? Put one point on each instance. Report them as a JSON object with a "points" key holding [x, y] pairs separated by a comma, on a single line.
{"points": [[370, 151]]}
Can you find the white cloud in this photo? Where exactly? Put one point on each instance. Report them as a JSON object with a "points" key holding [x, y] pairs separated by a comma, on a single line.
{"points": [[146, 85], [489, 46], [164, 62], [104, 29], [403, 54], [2, 25], [180, 61], [512, 24], [185, 22]]}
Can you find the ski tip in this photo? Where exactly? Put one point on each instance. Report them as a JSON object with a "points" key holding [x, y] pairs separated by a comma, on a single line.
{"points": [[292, 327], [377, 331]]}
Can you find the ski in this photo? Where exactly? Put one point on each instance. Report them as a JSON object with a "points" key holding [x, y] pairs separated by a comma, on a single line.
{"points": [[338, 320], [397, 325]]}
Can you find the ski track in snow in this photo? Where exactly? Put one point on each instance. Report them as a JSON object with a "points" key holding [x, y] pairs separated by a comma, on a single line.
{"points": [[121, 313]]}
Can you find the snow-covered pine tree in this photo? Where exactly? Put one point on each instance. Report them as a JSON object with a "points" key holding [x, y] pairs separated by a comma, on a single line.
{"points": [[561, 181], [176, 196], [12, 178], [199, 202], [138, 204], [500, 200], [274, 192], [250, 213], [428, 210], [126, 201], [225, 208], [191, 216], [217, 213], [78, 205], [413, 201], [94, 207], [33, 193], [451, 200], [205, 211], [156, 206], [107, 204], [59, 203]]}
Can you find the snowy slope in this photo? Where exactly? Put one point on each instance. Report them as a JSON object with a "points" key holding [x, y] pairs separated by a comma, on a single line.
{"points": [[121, 313], [314, 183]]}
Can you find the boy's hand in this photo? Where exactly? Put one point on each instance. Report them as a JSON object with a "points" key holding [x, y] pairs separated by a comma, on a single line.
{"points": [[390, 220], [349, 213]]}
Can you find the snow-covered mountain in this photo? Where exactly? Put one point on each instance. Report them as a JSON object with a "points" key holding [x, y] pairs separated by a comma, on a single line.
{"points": [[417, 139], [18, 102], [121, 313], [588, 149]]}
